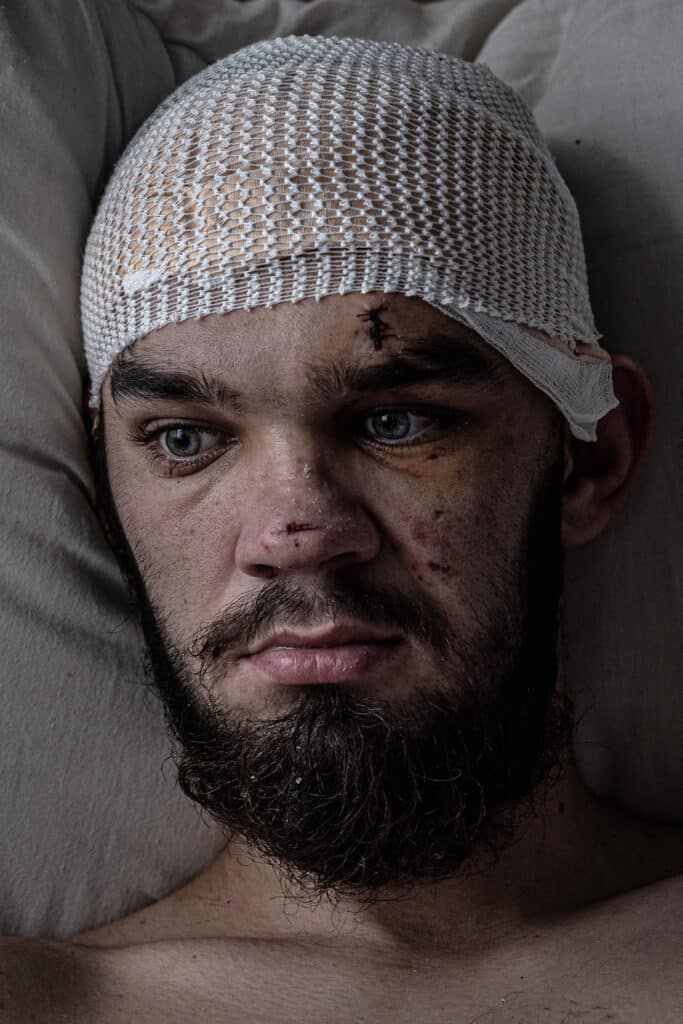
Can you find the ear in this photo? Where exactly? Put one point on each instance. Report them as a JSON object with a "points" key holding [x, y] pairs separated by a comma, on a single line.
{"points": [[600, 475]]}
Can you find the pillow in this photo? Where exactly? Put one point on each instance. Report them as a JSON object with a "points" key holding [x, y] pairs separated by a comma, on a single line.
{"points": [[90, 825], [605, 81], [93, 824]]}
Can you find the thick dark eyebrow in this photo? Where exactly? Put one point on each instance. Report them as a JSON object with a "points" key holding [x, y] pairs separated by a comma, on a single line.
{"points": [[437, 358]]}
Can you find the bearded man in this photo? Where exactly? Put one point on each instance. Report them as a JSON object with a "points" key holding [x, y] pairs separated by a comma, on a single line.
{"points": [[349, 410]]}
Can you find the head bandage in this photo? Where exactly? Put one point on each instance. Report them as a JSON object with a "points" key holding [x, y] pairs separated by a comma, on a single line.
{"points": [[308, 166]]}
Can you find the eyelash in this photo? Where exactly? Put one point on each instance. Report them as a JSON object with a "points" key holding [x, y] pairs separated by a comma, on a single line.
{"points": [[149, 437]]}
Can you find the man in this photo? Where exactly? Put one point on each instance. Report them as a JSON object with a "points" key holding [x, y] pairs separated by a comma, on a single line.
{"points": [[349, 410]]}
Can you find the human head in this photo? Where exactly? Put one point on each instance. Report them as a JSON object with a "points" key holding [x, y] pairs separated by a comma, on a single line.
{"points": [[455, 545], [314, 166]]}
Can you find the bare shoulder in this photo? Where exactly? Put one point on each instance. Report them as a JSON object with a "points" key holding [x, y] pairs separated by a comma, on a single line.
{"points": [[624, 954], [44, 980], [619, 960], [168, 982], [650, 917], [62, 982]]}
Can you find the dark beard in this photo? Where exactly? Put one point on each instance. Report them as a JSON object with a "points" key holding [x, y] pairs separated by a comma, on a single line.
{"points": [[347, 795]]}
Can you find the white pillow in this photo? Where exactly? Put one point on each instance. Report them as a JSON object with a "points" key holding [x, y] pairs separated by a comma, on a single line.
{"points": [[605, 81], [92, 828]]}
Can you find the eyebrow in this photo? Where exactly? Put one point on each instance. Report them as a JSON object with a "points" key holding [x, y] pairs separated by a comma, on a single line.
{"points": [[436, 358]]}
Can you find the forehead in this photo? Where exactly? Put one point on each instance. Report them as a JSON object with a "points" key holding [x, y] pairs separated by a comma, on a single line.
{"points": [[307, 352], [308, 328], [308, 341]]}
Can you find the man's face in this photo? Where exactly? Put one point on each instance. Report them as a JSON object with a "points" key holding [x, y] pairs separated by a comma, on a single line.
{"points": [[303, 494]]}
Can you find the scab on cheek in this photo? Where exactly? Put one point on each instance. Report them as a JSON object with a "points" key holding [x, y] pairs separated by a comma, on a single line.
{"points": [[419, 474], [423, 535], [437, 567], [418, 531]]}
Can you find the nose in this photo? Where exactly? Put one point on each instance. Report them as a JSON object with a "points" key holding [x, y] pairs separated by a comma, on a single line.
{"points": [[300, 521]]}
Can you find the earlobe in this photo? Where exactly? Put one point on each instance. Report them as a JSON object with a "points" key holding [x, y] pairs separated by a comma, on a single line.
{"points": [[600, 475]]}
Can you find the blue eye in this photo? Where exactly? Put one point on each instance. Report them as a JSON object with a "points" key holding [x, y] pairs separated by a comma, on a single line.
{"points": [[184, 447], [178, 446], [398, 424], [185, 442], [394, 418]]}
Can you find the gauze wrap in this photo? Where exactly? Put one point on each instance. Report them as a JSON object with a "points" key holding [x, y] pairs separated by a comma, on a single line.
{"points": [[308, 166]]}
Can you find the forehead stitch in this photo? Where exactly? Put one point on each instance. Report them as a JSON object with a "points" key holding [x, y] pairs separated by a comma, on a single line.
{"points": [[378, 329]]}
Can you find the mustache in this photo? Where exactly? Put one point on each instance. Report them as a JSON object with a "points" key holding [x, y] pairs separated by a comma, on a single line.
{"points": [[281, 604]]}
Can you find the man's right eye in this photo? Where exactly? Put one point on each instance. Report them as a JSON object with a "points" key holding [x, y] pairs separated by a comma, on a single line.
{"points": [[182, 442], [178, 445]]}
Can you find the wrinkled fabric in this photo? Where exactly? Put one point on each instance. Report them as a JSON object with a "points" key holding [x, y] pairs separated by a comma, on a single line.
{"points": [[93, 826]]}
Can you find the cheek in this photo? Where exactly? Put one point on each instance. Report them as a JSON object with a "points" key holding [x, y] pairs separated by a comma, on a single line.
{"points": [[450, 532], [460, 532], [443, 540], [177, 539], [192, 553]]}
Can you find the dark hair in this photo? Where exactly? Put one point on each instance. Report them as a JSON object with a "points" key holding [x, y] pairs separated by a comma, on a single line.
{"points": [[106, 508]]}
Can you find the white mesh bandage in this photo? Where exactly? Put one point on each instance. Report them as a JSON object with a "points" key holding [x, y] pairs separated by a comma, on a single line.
{"points": [[308, 166]]}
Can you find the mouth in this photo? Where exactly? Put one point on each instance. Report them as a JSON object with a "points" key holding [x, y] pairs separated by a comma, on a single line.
{"points": [[332, 663]]}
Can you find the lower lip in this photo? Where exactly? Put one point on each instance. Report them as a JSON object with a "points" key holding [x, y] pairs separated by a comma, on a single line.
{"points": [[342, 664]]}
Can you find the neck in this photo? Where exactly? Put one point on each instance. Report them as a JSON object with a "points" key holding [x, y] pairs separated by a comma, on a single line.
{"points": [[575, 851]]}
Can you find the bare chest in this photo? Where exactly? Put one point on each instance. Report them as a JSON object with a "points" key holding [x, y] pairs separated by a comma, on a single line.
{"points": [[257, 982], [620, 961]]}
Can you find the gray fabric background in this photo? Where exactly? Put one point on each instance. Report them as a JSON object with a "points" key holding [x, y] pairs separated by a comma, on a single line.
{"points": [[92, 825]]}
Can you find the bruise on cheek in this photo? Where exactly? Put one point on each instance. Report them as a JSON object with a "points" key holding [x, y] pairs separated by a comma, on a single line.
{"points": [[421, 533], [415, 568], [419, 473], [418, 531]]}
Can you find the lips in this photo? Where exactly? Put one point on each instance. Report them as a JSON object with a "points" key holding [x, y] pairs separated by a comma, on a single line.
{"points": [[342, 663], [337, 636]]}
